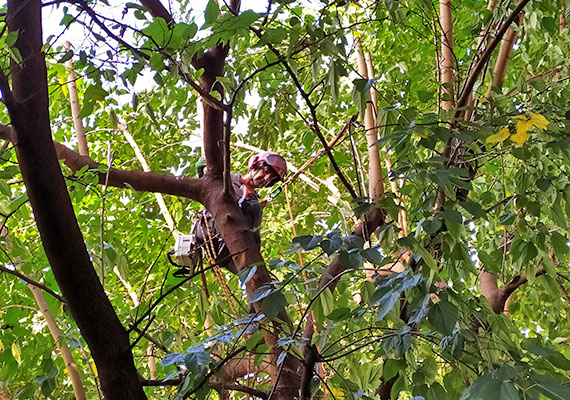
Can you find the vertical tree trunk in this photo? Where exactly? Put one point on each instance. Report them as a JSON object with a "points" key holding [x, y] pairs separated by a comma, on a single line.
{"points": [[505, 53], [375, 181], [53, 211], [76, 108], [447, 57]]}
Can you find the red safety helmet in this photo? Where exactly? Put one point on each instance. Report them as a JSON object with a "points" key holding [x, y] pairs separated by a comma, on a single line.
{"points": [[274, 160]]}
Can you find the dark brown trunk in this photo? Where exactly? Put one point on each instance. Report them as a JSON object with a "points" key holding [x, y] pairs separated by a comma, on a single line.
{"points": [[54, 215]]}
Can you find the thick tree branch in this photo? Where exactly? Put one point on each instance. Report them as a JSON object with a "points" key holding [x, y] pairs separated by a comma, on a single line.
{"points": [[311, 358], [138, 180], [497, 297], [157, 10]]}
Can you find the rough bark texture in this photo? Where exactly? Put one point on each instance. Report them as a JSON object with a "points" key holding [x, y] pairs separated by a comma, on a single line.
{"points": [[60, 234]]}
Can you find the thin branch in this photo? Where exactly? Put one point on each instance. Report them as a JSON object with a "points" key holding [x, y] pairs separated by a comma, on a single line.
{"points": [[472, 78], [240, 388], [32, 282], [214, 370], [161, 382], [163, 295]]}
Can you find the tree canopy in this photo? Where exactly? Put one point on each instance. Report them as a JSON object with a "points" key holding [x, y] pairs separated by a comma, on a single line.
{"points": [[419, 250]]}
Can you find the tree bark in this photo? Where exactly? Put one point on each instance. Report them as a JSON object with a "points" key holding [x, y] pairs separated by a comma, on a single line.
{"points": [[53, 211], [76, 108], [503, 58], [375, 181], [447, 56]]}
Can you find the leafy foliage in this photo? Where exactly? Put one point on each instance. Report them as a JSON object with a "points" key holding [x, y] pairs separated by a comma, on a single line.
{"points": [[505, 211]]}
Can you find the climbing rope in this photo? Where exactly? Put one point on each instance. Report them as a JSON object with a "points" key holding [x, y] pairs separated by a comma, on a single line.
{"points": [[210, 252]]}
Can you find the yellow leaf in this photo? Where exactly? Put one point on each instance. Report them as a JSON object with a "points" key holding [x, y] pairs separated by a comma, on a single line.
{"points": [[524, 126], [498, 137], [520, 117], [94, 368], [336, 393], [16, 353], [519, 138], [539, 121]]}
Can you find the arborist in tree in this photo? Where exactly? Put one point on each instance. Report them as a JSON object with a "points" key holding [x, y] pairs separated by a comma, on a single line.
{"points": [[266, 169]]}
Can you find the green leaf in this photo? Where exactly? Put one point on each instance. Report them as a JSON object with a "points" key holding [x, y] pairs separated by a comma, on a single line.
{"points": [[425, 95], [11, 37], [559, 244], [339, 314], [372, 255], [211, 12], [557, 214], [387, 302], [333, 80], [327, 301], [557, 359], [246, 19], [67, 56], [273, 305], [427, 257], [550, 388], [246, 274], [350, 259], [543, 184], [308, 242], [443, 316], [361, 94], [156, 62], [261, 293], [474, 208], [507, 391], [276, 35]]}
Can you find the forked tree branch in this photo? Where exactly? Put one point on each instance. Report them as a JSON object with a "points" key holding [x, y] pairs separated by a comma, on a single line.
{"points": [[497, 297]]}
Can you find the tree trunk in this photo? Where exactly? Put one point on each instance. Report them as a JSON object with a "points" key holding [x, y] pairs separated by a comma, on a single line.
{"points": [[76, 108], [447, 57], [375, 181], [53, 211]]}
